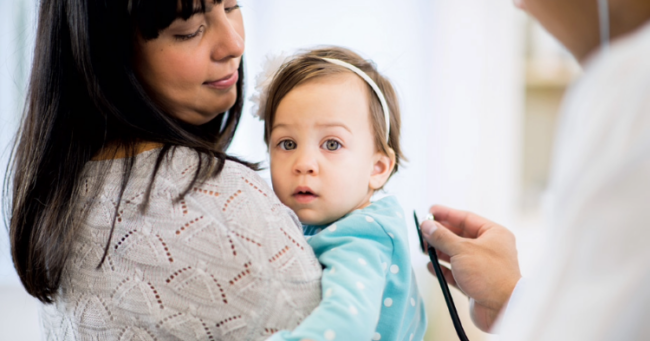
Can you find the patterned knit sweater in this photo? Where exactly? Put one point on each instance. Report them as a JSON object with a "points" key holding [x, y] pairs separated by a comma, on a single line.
{"points": [[228, 262]]}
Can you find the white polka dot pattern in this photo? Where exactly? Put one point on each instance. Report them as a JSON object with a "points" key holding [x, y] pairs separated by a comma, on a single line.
{"points": [[330, 335], [362, 261], [369, 219], [332, 228], [394, 269], [376, 337], [388, 302]]}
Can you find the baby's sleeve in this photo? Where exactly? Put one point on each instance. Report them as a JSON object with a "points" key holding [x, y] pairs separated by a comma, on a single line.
{"points": [[355, 253]]}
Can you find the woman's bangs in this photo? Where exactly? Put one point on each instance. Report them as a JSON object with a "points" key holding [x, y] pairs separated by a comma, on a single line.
{"points": [[153, 16]]}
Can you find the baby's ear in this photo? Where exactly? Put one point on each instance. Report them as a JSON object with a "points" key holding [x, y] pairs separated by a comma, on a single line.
{"points": [[381, 169]]}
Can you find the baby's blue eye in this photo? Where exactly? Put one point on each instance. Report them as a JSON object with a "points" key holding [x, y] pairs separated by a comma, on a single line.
{"points": [[288, 145], [332, 145]]}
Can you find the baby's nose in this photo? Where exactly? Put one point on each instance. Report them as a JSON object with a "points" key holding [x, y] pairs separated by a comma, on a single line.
{"points": [[305, 165]]}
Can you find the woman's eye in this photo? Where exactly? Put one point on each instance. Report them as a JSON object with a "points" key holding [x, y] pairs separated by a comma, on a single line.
{"points": [[332, 145], [184, 37], [230, 9], [288, 145]]}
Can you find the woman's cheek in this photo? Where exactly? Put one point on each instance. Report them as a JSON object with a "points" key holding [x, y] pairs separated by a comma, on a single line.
{"points": [[186, 67]]}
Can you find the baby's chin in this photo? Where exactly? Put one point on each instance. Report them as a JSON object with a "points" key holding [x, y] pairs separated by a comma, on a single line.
{"points": [[316, 221], [312, 217]]}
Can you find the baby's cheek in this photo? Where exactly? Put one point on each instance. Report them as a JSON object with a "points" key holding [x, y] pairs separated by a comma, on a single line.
{"points": [[279, 186], [283, 193]]}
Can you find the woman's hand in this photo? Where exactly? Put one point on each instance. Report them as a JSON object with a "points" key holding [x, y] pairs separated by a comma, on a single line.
{"points": [[483, 257]]}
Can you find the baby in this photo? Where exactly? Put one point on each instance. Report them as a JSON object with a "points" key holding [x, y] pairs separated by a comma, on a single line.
{"points": [[332, 127]]}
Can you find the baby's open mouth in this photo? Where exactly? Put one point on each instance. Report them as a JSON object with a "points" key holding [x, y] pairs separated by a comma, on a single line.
{"points": [[304, 195]]}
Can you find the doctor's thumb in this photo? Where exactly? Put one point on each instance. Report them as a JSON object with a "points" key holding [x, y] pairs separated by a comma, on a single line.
{"points": [[440, 237]]}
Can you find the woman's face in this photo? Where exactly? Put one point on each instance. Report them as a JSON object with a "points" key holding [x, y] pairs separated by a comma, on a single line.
{"points": [[191, 68]]}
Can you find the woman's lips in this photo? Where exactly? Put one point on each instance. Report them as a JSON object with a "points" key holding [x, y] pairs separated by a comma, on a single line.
{"points": [[224, 83]]}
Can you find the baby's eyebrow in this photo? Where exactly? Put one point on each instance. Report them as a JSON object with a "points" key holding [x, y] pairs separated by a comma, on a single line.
{"points": [[279, 125], [335, 124], [327, 125]]}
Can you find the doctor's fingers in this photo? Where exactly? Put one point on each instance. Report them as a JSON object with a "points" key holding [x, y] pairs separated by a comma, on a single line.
{"points": [[442, 239], [449, 276], [443, 256], [462, 223]]}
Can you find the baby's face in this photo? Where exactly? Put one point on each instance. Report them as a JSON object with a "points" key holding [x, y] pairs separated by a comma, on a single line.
{"points": [[324, 162]]}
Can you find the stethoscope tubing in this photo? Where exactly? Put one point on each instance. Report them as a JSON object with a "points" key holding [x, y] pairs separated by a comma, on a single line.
{"points": [[444, 286], [445, 292]]}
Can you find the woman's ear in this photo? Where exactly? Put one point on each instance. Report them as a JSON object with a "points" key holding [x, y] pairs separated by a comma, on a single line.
{"points": [[381, 169]]}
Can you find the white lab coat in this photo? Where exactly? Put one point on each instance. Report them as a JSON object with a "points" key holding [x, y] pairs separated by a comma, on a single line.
{"points": [[595, 280]]}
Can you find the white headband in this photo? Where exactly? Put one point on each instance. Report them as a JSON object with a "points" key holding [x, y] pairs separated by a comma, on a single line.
{"points": [[373, 85], [274, 64]]}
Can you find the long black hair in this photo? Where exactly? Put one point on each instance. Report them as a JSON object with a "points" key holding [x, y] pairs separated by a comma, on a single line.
{"points": [[83, 96]]}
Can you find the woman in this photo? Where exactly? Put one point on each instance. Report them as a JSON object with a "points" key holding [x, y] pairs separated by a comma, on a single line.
{"points": [[128, 220], [596, 269]]}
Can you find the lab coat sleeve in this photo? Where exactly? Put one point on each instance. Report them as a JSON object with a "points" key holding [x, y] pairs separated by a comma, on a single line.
{"points": [[594, 283], [354, 253]]}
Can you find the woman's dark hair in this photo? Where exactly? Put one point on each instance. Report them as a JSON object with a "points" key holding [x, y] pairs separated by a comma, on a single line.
{"points": [[83, 97]]}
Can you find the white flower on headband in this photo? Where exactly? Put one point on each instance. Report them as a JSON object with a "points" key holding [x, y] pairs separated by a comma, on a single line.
{"points": [[271, 66]]}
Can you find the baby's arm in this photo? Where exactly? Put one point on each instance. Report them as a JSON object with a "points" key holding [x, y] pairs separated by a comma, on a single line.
{"points": [[355, 253]]}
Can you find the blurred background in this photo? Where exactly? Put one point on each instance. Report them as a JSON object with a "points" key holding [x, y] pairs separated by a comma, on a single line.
{"points": [[480, 86]]}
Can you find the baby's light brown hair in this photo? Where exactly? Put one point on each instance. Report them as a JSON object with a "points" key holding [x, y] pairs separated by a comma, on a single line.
{"points": [[310, 65]]}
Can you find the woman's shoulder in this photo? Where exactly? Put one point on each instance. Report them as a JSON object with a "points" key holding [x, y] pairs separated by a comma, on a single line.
{"points": [[182, 163]]}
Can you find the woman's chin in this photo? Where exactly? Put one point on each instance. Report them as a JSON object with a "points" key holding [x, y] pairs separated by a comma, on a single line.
{"points": [[200, 118]]}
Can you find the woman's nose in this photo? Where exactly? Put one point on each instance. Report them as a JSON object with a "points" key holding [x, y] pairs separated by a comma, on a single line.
{"points": [[228, 38]]}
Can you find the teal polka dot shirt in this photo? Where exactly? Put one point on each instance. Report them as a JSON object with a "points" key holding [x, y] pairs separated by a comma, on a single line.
{"points": [[369, 289]]}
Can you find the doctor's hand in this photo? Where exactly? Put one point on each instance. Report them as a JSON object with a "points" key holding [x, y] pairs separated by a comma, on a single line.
{"points": [[483, 258]]}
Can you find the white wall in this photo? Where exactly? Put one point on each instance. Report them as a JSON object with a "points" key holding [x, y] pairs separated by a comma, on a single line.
{"points": [[17, 36], [18, 318]]}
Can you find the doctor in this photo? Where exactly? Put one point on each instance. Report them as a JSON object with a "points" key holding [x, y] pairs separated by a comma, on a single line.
{"points": [[595, 280]]}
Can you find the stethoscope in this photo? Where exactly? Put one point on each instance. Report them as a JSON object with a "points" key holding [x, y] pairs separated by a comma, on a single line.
{"points": [[603, 18], [441, 280]]}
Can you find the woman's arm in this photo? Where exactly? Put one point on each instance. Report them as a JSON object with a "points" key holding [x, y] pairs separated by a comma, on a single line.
{"points": [[233, 264]]}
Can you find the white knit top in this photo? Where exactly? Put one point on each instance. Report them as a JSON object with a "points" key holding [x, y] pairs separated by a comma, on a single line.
{"points": [[228, 262]]}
